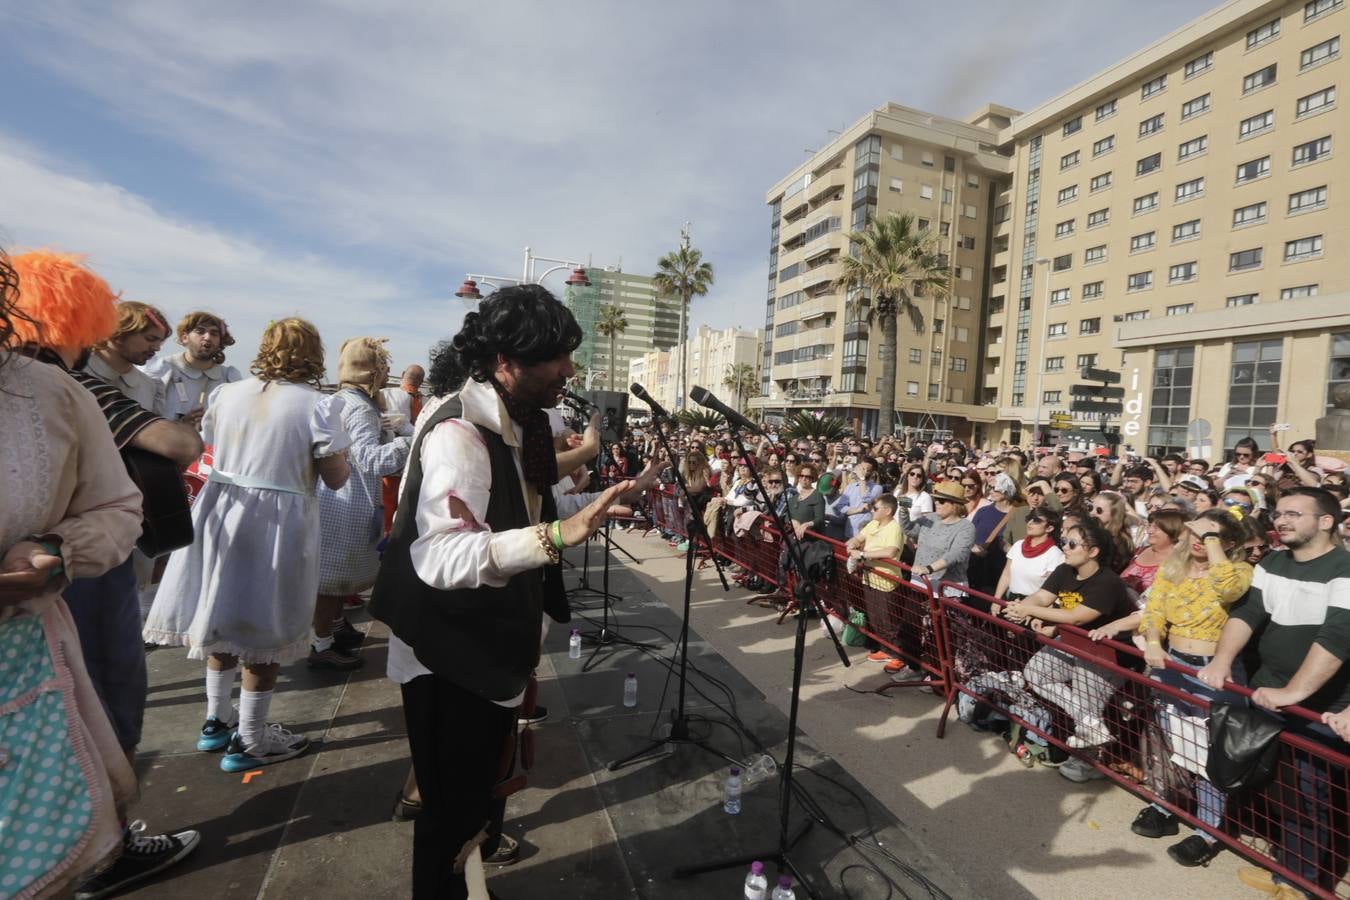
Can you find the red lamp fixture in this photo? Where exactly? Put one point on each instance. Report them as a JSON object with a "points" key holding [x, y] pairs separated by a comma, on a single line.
{"points": [[469, 290], [578, 278]]}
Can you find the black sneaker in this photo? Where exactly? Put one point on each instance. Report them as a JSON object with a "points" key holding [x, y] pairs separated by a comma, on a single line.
{"points": [[335, 659], [506, 854], [1151, 823], [141, 857], [347, 636], [540, 714], [1194, 851]]}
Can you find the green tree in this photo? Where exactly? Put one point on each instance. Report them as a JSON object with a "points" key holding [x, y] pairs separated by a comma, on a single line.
{"points": [[683, 274], [578, 379], [611, 323], [893, 262], [741, 380], [815, 427]]}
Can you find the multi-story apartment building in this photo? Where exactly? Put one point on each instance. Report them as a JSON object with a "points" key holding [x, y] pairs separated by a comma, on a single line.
{"points": [[816, 355], [653, 322], [1173, 218], [712, 355]]}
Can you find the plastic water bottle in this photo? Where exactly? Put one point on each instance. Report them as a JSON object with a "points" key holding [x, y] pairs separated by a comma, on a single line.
{"points": [[784, 889], [731, 792], [574, 644], [630, 690], [756, 885]]}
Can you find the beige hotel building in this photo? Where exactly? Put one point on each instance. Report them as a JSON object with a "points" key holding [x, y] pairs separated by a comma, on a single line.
{"points": [[1179, 218]]}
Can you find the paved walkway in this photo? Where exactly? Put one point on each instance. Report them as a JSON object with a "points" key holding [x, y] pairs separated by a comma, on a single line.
{"points": [[960, 811]]}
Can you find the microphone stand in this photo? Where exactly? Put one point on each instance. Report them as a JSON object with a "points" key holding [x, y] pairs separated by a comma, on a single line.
{"points": [[805, 594], [696, 530]]}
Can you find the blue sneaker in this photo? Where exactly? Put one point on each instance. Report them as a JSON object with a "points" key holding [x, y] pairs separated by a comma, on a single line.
{"points": [[215, 735], [277, 745]]}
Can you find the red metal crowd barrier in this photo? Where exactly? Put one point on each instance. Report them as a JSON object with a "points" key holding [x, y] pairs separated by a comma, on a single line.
{"points": [[1091, 700]]}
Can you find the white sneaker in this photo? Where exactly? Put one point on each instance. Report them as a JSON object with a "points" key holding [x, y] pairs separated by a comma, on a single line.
{"points": [[1079, 771], [1089, 733], [277, 745]]}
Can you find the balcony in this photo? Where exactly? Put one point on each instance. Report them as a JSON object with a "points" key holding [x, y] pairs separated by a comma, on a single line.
{"points": [[829, 183], [993, 379], [820, 277], [809, 368]]}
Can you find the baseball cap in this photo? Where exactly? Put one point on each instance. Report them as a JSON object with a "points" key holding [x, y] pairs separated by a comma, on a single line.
{"points": [[1192, 483]]}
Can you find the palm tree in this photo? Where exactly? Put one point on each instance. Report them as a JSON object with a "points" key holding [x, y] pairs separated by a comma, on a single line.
{"points": [[683, 273], [611, 323], [740, 380], [893, 261]]}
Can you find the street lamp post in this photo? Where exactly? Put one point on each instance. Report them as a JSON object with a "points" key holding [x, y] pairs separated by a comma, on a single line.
{"points": [[469, 289], [1042, 340]]}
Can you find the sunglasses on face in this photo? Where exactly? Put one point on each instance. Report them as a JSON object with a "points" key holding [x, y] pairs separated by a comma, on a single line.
{"points": [[1063, 490], [1246, 507], [1040, 519], [970, 485], [774, 481], [1074, 545], [1241, 454], [941, 500]]}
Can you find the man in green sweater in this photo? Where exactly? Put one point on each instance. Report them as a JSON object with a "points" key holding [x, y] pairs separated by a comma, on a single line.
{"points": [[1300, 602]]}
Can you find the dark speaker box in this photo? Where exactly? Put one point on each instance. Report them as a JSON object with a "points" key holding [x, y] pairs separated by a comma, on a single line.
{"points": [[613, 406]]}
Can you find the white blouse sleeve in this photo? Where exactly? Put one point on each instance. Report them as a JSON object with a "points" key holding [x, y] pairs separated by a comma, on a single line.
{"points": [[328, 436]]}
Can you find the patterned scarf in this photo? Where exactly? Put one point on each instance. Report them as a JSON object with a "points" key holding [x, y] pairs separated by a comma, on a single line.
{"points": [[537, 458]]}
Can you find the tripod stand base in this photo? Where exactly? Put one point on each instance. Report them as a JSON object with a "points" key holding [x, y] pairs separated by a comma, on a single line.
{"points": [[779, 856], [679, 734]]}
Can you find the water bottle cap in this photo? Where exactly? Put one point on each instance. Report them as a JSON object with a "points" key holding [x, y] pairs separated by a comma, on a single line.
{"points": [[576, 631], [632, 674], [785, 881], [735, 771], [757, 867]]}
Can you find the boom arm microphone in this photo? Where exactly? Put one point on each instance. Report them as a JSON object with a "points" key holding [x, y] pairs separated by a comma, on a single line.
{"points": [[703, 397], [578, 400], [640, 392]]}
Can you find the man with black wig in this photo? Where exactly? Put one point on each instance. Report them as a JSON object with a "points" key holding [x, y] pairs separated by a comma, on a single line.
{"points": [[473, 564]]}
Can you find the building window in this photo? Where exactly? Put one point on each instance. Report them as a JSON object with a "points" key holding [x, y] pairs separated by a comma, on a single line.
{"points": [[1189, 190], [944, 228], [965, 273], [1100, 182], [958, 364], [1315, 102], [1106, 110], [1312, 151], [911, 389], [1303, 248], [1154, 86], [1258, 79], [969, 211], [1319, 53], [1193, 147], [1090, 326], [932, 392], [1054, 364], [1146, 203], [1181, 273], [1062, 263], [1141, 242], [1338, 372], [897, 185], [1094, 255], [938, 325], [1059, 296], [1241, 300], [1315, 9], [946, 196], [1150, 163], [1302, 290], [1139, 281], [1098, 217], [927, 159], [1181, 309], [1137, 315], [961, 335], [1068, 160], [949, 163], [915, 355], [1058, 329], [967, 242], [936, 359], [1253, 169], [1151, 125], [1195, 107], [1245, 260], [1073, 126], [1253, 390], [963, 303], [1256, 124], [897, 152], [1064, 229], [1092, 290], [926, 191], [973, 181], [1186, 231], [1170, 402], [1200, 64], [1312, 198], [1105, 145], [1068, 193], [1087, 360], [1051, 396], [1249, 215], [1260, 35]]}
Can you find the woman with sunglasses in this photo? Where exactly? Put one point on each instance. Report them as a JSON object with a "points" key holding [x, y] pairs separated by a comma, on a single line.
{"points": [[912, 491], [1244, 461], [1187, 608], [1127, 531], [874, 548], [1267, 489], [1082, 592], [1069, 494], [698, 477], [1033, 558]]}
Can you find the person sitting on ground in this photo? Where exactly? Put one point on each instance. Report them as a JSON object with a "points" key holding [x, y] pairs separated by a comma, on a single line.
{"points": [[875, 549], [1082, 592], [1300, 605], [1187, 608]]}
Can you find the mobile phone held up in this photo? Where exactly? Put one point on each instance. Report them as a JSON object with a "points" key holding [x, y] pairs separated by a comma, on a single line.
{"points": [[1275, 459]]}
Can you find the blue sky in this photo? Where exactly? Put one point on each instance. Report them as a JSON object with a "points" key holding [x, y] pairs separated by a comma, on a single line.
{"points": [[350, 161]]}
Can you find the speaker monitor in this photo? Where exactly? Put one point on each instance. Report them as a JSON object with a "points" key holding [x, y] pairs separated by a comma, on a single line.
{"points": [[613, 406]]}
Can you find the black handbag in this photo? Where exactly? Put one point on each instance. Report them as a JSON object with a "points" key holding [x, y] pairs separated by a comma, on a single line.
{"points": [[1244, 746]]}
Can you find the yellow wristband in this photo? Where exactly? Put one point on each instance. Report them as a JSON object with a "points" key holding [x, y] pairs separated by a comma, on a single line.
{"points": [[556, 533]]}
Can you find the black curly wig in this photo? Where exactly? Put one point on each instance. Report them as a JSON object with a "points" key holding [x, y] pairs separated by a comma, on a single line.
{"points": [[446, 376], [524, 323]]}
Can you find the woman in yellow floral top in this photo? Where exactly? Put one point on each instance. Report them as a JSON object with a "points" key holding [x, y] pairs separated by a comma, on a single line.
{"points": [[1187, 607]]}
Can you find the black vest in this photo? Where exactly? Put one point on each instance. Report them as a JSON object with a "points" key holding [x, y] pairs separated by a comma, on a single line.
{"points": [[486, 639]]}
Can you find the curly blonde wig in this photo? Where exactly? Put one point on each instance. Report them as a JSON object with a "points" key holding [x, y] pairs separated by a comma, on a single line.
{"points": [[63, 303], [199, 319], [290, 351], [133, 317]]}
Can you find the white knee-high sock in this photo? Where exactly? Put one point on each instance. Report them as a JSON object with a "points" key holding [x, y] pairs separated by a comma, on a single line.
{"points": [[253, 706], [219, 685]]}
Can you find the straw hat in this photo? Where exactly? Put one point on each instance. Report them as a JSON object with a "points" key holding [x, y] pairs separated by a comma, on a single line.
{"points": [[951, 490]]}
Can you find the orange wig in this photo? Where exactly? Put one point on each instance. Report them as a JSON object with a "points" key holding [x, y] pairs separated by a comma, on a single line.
{"points": [[66, 304]]}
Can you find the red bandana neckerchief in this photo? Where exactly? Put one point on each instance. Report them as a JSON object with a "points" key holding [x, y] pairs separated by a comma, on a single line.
{"points": [[1030, 552]]}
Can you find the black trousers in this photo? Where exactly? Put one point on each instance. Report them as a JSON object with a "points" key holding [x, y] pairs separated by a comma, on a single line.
{"points": [[456, 739]]}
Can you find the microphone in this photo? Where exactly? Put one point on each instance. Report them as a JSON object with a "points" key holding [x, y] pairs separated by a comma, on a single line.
{"points": [[640, 392], [703, 397], [578, 400]]}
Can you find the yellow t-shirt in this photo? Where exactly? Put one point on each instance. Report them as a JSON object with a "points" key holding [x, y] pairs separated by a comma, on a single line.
{"points": [[874, 537]]}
